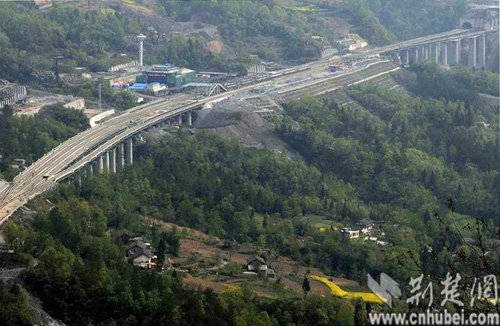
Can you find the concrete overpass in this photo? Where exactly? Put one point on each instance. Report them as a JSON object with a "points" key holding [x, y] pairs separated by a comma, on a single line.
{"points": [[443, 48], [447, 51], [108, 146]]}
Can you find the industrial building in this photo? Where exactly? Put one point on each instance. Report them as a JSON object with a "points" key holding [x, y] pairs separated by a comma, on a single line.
{"points": [[172, 77], [155, 89]]}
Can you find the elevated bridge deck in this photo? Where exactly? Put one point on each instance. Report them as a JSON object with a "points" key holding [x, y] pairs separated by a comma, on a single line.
{"points": [[89, 145]]}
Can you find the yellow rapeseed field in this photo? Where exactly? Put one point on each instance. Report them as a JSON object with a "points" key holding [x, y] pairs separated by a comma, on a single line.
{"points": [[336, 290]]}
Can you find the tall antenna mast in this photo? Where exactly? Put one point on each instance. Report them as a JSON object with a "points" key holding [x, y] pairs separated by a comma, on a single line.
{"points": [[141, 39]]}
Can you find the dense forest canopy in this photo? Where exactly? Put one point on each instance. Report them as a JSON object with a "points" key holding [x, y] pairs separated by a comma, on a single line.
{"points": [[383, 21], [407, 150], [421, 163], [29, 137], [408, 19], [254, 196], [91, 37], [456, 84], [266, 25], [202, 181], [30, 40], [395, 158]]}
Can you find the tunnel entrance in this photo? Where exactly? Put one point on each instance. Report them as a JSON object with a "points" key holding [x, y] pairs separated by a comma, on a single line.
{"points": [[466, 25]]}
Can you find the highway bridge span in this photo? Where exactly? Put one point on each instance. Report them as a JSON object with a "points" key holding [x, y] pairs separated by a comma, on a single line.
{"points": [[108, 146]]}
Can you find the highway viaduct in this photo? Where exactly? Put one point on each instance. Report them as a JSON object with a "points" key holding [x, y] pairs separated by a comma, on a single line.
{"points": [[443, 48], [108, 146]]}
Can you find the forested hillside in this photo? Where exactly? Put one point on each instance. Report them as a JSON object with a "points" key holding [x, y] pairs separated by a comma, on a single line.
{"points": [[252, 196], [385, 21], [412, 152], [408, 19], [267, 28], [420, 166], [456, 84], [30, 40], [201, 181], [29, 137], [417, 166]]}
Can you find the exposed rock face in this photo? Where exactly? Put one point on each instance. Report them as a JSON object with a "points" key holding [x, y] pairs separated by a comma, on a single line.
{"points": [[42, 317]]}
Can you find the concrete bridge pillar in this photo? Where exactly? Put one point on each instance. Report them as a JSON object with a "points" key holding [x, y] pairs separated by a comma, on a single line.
{"points": [[421, 54], [405, 57], [471, 58], [78, 179], [481, 51], [444, 54], [121, 155], [413, 55], [106, 162], [455, 52], [435, 53], [90, 169], [189, 118], [130, 151], [112, 161], [179, 119], [100, 165], [426, 52], [394, 55]]}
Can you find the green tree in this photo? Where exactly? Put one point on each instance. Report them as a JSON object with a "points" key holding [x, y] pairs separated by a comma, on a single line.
{"points": [[15, 309], [306, 286]]}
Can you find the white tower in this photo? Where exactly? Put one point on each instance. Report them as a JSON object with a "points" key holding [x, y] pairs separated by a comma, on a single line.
{"points": [[141, 39]]}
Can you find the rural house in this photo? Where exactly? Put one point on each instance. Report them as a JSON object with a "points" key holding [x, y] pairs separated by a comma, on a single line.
{"points": [[366, 225], [142, 259], [350, 233], [135, 248], [256, 264], [140, 254]]}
